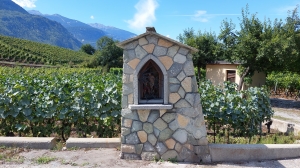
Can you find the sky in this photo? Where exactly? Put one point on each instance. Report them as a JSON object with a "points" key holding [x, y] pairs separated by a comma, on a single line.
{"points": [[169, 17]]}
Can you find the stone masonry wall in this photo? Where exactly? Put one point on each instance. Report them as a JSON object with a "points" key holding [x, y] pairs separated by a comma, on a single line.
{"points": [[179, 132]]}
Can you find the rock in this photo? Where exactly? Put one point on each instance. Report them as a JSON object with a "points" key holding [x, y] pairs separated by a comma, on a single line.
{"points": [[148, 128], [152, 139], [180, 58], [140, 52], [165, 134], [127, 148], [148, 147], [172, 51], [154, 115], [168, 117], [132, 139], [180, 135], [150, 156], [175, 69], [161, 148], [160, 124], [170, 155], [136, 126], [160, 51]]}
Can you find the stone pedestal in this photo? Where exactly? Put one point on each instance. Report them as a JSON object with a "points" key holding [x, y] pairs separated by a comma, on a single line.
{"points": [[175, 128]]}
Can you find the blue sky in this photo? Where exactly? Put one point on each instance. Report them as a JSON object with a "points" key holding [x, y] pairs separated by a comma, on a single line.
{"points": [[169, 17]]}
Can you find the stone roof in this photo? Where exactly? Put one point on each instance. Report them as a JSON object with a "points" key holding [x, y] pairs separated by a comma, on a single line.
{"points": [[152, 31]]}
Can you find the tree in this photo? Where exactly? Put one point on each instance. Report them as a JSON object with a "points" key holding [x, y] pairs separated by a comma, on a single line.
{"points": [[258, 46], [109, 54], [87, 48], [207, 44]]}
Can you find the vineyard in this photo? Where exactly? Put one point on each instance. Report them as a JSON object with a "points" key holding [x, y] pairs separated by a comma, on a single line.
{"points": [[25, 51], [61, 101], [284, 84], [235, 113], [43, 102]]}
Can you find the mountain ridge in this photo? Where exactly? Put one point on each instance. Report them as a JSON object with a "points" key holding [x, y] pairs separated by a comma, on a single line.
{"points": [[87, 32], [17, 22]]}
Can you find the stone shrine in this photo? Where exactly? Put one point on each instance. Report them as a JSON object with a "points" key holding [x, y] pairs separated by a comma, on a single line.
{"points": [[161, 110]]}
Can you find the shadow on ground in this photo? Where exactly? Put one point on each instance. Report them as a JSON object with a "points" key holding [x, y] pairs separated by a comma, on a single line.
{"points": [[285, 103]]}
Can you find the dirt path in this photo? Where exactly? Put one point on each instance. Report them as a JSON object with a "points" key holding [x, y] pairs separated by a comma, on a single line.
{"points": [[109, 158], [286, 109]]}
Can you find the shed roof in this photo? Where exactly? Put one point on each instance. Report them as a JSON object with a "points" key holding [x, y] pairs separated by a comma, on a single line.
{"points": [[224, 63], [152, 31]]}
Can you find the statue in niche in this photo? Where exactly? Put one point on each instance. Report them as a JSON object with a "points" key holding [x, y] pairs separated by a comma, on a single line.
{"points": [[150, 82]]}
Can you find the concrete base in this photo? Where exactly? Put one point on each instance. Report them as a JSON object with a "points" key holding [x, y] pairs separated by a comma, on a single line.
{"points": [[285, 127], [93, 142], [255, 152], [28, 142]]}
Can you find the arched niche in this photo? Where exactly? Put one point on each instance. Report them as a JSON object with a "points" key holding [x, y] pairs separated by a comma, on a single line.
{"points": [[150, 82]]}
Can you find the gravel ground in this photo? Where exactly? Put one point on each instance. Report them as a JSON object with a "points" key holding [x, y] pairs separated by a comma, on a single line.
{"points": [[110, 158]]}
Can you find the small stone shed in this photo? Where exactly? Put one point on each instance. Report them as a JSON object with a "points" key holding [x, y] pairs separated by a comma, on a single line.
{"points": [[161, 110], [221, 71]]}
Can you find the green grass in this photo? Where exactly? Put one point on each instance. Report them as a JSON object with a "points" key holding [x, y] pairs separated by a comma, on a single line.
{"points": [[11, 155], [275, 138], [44, 159]]}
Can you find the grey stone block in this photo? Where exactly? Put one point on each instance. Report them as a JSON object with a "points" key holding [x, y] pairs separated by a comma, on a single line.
{"points": [[153, 116], [148, 127], [150, 156], [168, 117], [172, 51], [140, 52], [170, 154], [161, 148], [128, 55], [160, 51], [127, 156], [183, 51], [127, 69], [174, 81], [180, 135], [130, 114], [148, 147], [152, 139], [132, 139], [165, 134], [136, 126], [152, 39], [174, 88], [175, 69], [180, 58], [182, 104], [189, 68], [131, 45]]}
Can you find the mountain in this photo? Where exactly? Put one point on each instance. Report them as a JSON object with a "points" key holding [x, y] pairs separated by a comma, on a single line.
{"points": [[17, 22], [87, 33], [115, 33]]}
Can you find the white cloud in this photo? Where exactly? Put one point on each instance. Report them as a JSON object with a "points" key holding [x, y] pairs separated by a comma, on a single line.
{"points": [[92, 17], [25, 3], [145, 15], [201, 16], [286, 9]]}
